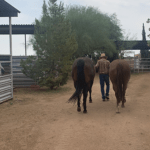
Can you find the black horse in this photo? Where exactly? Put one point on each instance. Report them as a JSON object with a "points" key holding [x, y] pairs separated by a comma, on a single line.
{"points": [[83, 73]]}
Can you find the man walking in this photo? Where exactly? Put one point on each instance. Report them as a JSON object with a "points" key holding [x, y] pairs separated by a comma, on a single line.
{"points": [[103, 69]]}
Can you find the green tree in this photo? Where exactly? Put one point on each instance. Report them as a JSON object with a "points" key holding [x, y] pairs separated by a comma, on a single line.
{"points": [[148, 21], [95, 31], [54, 43]]}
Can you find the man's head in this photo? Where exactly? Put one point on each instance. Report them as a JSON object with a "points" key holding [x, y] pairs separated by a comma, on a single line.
{"points": [[103, 56]]}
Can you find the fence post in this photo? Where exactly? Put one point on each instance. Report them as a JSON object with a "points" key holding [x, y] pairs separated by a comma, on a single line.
{"points": [[134, 64], [0, 69], [138, 65], [142, 69], [10, 39]]}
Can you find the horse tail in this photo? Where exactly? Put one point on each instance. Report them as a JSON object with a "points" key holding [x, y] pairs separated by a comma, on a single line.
{"points": [[80, 81], [119, 80]]}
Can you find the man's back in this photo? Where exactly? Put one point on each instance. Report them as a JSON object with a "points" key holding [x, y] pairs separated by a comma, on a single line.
{"points": [[103, 65]]}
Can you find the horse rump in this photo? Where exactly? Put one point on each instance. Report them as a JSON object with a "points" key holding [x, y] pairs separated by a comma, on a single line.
{"points": [[119, 75]]}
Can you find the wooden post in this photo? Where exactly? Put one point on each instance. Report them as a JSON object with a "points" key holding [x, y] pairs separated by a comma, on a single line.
{"points": [[10, 37]]}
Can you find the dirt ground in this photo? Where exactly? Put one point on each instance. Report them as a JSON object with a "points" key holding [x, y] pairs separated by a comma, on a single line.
{"points": [[42, 120]]}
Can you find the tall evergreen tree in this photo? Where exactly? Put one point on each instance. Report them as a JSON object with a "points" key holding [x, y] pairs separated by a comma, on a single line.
{"points": [[54, 43]]}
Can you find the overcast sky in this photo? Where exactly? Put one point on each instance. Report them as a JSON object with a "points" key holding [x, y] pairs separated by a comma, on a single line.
{"points": [[132, 14]]}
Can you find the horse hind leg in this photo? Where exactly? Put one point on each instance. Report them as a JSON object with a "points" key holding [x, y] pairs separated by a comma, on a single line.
{"points": [[118, 101], [118, 108], [90, 98], [90, 91], [78, 108], [123, 95], [123, 101], [84, 100]]}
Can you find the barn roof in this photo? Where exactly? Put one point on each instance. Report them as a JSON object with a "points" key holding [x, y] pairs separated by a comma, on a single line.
{"points": [[7, 10]]}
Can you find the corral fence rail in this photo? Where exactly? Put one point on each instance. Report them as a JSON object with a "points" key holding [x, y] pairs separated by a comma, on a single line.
{"points": [[6, 82], [19, 79], [138, 65]]}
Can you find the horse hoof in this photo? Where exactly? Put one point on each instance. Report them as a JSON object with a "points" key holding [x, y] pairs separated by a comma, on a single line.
{"points": [[85, 111], [122, 106], [79, 109], [117, 112], [90, 101]]}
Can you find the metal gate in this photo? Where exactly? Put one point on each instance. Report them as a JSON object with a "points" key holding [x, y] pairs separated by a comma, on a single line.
{"points": [[20, 79], [138, 65], [6, 80], [141, 65]]}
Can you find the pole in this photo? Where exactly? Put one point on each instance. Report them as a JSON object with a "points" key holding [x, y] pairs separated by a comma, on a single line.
{"points": [[138, 65], [0, 69], [134, 64], [25, 46], [10, 37]]}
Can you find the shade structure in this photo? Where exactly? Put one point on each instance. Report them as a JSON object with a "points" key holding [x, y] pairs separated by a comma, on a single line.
{"points": [[7, 10]]}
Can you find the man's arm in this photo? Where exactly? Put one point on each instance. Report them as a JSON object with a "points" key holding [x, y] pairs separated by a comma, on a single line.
{"points": [[97, 65], [108, 65]]}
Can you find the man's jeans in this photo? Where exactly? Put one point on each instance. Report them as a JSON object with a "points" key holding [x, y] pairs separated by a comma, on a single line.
{"points": [[104, 78]]}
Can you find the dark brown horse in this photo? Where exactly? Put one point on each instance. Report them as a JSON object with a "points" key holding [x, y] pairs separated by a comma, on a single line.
{"points": [[83, 73], [119, 75]]}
